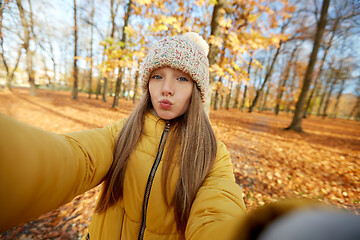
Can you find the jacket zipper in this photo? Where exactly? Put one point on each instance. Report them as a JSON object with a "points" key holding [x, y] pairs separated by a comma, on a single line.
{"points": [[151, 179]]}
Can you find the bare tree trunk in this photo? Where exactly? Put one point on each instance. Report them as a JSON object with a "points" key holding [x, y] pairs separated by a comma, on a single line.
{"points": [[313, 91], [64, 62], [137, 75], [237, 95], [117, 88], [289, 94], [106, 83], [267, 77], [8, 82], [46, 70], [228, 96], [257, 79], [26, 46], [98, 86], [113, 12], [316, 83], [263, 107], [329, 45], [12, 74], [54, 65], [296, 122], [219, 88], [217, 15], [124, 88], [75, 86], [244, 98], [333, 83], [217, 93], [245, 85], [9, 74], [311, 101], [221, 104], [31, 73], [338, 98], [123, 39], [91, 48], [284, 80], [323, 96], [356, 109]]}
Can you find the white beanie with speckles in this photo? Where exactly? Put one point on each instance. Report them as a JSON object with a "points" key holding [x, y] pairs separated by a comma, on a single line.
{"points": [[187, 53]]}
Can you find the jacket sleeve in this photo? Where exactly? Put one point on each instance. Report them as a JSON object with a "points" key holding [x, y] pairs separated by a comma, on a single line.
{"points": [[218, 206], [40, 171]]}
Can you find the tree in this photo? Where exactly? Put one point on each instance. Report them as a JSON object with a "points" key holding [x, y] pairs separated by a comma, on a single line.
{"points": [[28, 34], [267, 77], [123, 42], [75, 68], [329, 44], [245, 86], [237, 94], [328, 96], [136, 86], [270, 69], [100, 78], [263, 106], [218, 88], [356, 109], [113, 12], [323, 95], [338, 74], [9, 73], [298, 115], [284, 79], [217, 15], [91, 46], [46, 71], [52, 56], [340, 26], [297, 72], [342, 84]]}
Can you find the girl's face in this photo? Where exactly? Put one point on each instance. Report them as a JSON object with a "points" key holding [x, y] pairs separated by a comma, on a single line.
{"points": [[170, 92]]}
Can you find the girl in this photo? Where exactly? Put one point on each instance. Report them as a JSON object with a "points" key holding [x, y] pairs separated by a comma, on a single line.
{"points": [[164, 174]]}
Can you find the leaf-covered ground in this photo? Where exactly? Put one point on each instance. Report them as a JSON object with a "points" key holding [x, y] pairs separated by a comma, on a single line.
{"points": [[269, 163]]}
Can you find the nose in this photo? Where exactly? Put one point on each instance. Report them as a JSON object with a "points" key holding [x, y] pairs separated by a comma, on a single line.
{"points": [[167, 87]]}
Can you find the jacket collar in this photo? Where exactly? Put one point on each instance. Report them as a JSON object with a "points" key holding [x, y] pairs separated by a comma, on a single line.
{"points": [[154, 125]]}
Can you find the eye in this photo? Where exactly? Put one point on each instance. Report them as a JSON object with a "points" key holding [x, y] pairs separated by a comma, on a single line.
{"points": [[156, 76], [182, 79]]}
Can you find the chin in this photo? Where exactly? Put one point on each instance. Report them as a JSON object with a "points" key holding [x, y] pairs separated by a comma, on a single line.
{"points": [[166, 117]]}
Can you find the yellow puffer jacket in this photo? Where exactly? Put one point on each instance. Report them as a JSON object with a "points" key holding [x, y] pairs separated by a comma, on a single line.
{"points": [[40, 171]]}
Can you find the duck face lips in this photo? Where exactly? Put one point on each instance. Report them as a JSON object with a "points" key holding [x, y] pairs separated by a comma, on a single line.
{"points": [[165, 104]]}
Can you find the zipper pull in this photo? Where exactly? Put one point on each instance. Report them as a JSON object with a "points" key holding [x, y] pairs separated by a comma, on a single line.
{"points": [[167, 127]]}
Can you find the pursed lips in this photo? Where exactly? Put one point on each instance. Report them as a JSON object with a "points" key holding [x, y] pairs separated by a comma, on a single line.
{"points": [[165, 104]]}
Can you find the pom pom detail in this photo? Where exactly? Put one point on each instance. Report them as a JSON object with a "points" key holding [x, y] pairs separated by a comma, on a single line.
{"points": [[195, 37]]}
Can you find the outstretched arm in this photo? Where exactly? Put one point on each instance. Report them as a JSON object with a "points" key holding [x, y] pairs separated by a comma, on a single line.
{"points": [[40, 171]]}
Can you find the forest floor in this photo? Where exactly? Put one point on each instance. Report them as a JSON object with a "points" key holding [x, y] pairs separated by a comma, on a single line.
{"points": [[270, 164]]}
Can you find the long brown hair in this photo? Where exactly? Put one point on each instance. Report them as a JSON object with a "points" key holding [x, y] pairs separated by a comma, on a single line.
{"points": [[197, 153]]}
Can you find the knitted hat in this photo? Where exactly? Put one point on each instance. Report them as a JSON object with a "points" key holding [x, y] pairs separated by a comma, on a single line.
{"points": [[187, 53]]}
